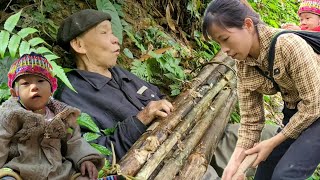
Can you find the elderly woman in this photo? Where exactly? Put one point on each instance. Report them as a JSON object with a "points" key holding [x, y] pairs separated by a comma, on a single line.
{"points": [[114, 97]]}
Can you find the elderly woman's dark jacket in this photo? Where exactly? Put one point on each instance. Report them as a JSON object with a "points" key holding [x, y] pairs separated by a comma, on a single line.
{"points": [[111, 103]]}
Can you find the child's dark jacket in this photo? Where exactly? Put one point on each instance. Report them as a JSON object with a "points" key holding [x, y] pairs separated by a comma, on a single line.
{"points": [[41, 149]]}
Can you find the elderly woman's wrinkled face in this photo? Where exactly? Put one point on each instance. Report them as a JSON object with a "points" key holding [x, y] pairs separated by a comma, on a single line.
{"points": [[101, 46]]}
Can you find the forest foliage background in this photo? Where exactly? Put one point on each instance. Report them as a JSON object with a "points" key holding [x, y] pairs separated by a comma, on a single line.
{"points": [[161, 40]]}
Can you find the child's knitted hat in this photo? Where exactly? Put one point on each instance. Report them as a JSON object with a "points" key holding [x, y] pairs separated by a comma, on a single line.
{"points": [[310, 6], [32, 64]]}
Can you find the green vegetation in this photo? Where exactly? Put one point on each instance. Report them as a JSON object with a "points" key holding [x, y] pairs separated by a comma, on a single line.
{"points": [[84, 120], [276, 12]]}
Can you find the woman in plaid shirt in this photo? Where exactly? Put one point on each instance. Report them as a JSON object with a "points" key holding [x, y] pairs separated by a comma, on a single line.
{"points": [[294, 152]]}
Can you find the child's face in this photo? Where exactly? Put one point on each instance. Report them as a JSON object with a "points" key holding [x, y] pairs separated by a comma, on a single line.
{"points": [[34, 91], [309, 21]]}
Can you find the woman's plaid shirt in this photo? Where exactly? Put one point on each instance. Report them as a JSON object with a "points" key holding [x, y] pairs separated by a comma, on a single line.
{"points": [[297, 72]]}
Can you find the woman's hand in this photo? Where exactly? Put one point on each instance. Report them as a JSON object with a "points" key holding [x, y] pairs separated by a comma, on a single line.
{"points": [[264, 148], [236, 159]]}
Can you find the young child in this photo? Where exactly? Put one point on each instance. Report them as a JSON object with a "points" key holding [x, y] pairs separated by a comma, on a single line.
{"points": [[39, 136], [309, 14]]}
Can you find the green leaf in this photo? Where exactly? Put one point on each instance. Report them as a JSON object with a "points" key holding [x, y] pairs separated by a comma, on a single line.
{"points": [[43, 50], [155, 55], [26, 31], [24, 48], [13, 45], [235, 117], [273, 23], [107, 165], [136, 42], [270, 122], [107, 6], [91, 136], [35, 41], [32, 50], [118, 7], [58, 70], [85, 120], [109, 131], [5, 64], [51, 57], [139, 69], [12, 21], [128, 53], [4, 92], [267, 98], [4, 39], [66, 70], [175, 92], [103, 150], [273, 7]]}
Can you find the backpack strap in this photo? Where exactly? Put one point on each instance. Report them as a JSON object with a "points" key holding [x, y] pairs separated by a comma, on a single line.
{"points": [[271, 55], [266, 74], [312, 38]]}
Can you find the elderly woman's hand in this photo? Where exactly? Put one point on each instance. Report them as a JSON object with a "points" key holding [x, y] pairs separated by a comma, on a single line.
{"points": [[161, 108]]}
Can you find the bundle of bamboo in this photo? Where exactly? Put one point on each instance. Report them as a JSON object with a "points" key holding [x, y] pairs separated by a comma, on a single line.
{"points": [[181, 145]]}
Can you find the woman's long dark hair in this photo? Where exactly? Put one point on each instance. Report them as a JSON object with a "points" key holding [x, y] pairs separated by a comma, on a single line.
{"points": [[228, 14]]}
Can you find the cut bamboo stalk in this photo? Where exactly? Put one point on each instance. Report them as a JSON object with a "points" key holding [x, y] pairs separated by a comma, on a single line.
{"points": [[182, 128], [206, 74], [156, 171], [197, 162], [211, 73], [171, 167], [150, 141]]}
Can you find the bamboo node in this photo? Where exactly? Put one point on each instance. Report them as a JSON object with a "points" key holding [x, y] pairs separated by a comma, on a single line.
{"points": [[153, 126], [151, 143], [180, 145], [196, 94], [141, 155]]}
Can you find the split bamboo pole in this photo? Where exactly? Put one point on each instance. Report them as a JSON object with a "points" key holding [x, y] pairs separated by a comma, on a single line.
{"points": [[171, 167], [150, 141], [197, 162], [182, 128]]}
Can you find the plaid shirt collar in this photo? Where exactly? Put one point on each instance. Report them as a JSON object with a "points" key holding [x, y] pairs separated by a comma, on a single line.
{"points": [[265, 36]]}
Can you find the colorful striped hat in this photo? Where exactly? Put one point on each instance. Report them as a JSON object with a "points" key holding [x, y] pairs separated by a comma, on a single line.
{"points": [[32, 64], [310, 6]]}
